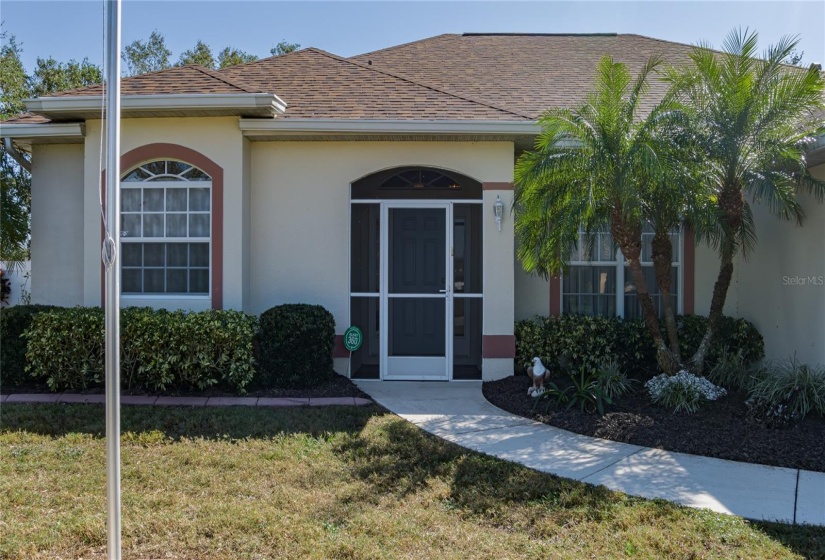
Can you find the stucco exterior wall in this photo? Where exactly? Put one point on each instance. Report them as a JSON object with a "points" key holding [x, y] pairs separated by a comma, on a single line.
{"points": [[532, 294], [782, 283], [220, 140], [299, 209], [57, 225]]}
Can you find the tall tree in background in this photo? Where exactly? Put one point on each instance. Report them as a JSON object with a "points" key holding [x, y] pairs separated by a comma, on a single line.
{"points": [[200, 54], [230, 57], [15, 183], [146, 56], [49, 76], [283, 48]]}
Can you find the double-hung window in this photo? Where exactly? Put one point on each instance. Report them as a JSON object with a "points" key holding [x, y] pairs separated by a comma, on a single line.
{"points": [[599, 283], [166, 230]]}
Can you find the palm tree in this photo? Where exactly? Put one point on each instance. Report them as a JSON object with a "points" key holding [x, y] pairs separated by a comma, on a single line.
{"points": [[754, 117], [593, 166]]}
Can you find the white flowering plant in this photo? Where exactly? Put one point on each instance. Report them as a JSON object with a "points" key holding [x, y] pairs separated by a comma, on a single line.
{"points": [[683, 391]]}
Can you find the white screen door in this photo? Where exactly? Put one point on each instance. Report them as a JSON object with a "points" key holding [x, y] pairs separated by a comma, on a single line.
{"points": [[416, 277]]}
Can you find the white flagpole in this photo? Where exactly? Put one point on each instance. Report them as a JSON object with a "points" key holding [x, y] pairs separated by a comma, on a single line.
{"points": [[112, 304]]}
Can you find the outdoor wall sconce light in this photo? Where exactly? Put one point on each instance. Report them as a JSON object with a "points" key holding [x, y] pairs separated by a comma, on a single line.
{"points": [[498, 211]]}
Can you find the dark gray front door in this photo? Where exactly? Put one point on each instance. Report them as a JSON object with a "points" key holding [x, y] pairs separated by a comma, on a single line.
{"points": [[417, 282]]}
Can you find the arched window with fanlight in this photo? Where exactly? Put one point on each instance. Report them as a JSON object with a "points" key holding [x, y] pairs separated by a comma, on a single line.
{"points": [[166, 214]]}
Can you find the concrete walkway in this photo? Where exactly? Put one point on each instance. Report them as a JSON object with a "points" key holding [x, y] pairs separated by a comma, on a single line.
{"points": [[73, 398], [459, 413]]}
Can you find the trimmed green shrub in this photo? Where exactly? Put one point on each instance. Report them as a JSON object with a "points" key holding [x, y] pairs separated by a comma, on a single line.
{"points": [[295, 343], [160, 349], [574, 341], [735, 336], [65, 348], [13, 323], [165, 349]]}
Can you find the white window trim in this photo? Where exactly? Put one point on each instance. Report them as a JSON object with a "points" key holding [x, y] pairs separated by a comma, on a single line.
{"points": [[163, 299], [620, 264]]}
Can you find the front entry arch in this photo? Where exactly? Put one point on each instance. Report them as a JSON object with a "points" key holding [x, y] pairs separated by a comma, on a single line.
{"points": [[415, 277]]}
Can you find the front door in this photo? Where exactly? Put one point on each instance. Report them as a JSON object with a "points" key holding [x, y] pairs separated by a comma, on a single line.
{"points": [[417, 298]]}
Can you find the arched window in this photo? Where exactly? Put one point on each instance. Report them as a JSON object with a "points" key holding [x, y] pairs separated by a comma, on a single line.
{"points": [[416, 183], [166, 214]]}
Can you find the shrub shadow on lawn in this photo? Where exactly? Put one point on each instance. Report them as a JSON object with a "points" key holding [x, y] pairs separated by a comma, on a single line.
{"points": [[222, 423], [394, 457], [401, 459]]}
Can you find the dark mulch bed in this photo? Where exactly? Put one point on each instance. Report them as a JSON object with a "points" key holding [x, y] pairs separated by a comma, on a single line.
{"points": [[720, 429], [338, 386]]}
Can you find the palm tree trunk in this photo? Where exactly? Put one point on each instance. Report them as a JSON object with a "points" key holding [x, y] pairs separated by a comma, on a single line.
{"points": [[663, 266], [731, 203], [717, 303], [629, 238]]}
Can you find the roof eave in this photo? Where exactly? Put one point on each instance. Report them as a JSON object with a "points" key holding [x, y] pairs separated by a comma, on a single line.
{"points": [[57, 132], [89, 106], [278, 127]]}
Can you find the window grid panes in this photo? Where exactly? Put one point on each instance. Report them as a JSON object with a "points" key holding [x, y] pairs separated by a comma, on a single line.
{"points": [[166, 229], [597, 281]]}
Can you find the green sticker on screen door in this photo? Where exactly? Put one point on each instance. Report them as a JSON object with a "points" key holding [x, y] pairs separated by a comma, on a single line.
{"points": [[353, 337]]}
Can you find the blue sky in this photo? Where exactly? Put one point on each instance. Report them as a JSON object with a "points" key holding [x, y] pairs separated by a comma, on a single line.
{"points": [[72, 29]]}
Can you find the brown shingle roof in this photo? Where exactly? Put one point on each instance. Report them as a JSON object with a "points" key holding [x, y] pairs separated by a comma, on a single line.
{"points": [[317, 84], [27, 118], [191, 79], [526, 73]]}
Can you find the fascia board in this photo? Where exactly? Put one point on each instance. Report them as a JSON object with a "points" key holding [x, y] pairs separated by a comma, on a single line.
{"points": [[281, 126], [85, 103], [48, 130]]}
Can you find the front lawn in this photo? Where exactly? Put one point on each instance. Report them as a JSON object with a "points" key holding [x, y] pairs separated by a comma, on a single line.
{"points": [[325, 483]]}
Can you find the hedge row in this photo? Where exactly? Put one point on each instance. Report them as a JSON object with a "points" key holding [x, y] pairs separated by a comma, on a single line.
{"points": [[576, 340], [160, 349], [14, 321], [291, 346]]}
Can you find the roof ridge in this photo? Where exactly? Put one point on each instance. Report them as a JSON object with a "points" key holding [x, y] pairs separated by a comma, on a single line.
{"points": [[407, 44], [421, 84], [214, 74], [517, 34], [265, 59]]}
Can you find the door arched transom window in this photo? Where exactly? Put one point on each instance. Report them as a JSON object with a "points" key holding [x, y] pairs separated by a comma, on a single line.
{"points": [[166, 214]]}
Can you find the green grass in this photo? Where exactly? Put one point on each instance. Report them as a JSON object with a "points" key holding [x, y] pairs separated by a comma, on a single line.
{"points": [[325, 483]]}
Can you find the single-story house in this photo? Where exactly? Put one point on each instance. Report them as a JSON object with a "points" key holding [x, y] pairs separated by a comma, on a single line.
{"points": [[379, 186]]}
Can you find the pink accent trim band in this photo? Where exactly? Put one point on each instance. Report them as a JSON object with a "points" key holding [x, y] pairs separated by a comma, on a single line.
{"points": [[339, 350], [555, 296], [498, 346], [494, 186]]}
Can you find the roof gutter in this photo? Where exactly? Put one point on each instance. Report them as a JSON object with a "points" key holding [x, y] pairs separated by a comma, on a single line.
{"points": [[81, 105], [16, 156], [64, 131], [381, 126]]}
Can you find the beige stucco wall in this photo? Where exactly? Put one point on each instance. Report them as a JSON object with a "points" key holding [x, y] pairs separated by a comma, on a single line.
{"points": [[57, 227], [782, 283], [220, 140], [300, 214], [532, 294]]}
